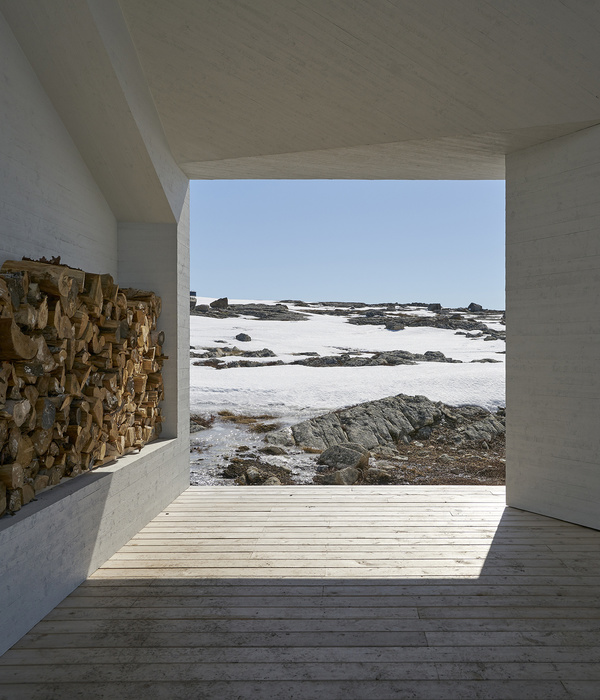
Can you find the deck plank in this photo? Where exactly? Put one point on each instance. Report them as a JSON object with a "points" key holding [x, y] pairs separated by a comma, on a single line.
{"points": [[328, 592]]}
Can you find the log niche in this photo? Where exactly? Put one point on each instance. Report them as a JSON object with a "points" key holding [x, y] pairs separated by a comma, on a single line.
{"points": [[80, 374]]}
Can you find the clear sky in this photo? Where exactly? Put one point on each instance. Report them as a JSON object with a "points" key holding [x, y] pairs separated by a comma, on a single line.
{"points": [[349, 240]]}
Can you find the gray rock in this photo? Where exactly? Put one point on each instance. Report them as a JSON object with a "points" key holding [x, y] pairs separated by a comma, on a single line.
{"points": [[283, 438], [434, 307], [272, 481], [389, 421], [378, 476], [253, 476], [387, 451], [343, 456], [265, 352], [221, 303], [475, 307], [272, 450], [445, 459], [388, 358], [346, 477], [243, 337]]}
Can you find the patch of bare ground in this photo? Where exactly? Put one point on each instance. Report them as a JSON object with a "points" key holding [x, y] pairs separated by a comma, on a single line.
{"points": [[440, 461], [256, 424]]}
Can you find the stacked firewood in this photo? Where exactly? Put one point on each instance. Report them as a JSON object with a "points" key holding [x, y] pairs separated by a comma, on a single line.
{"points": [[80, 374]]}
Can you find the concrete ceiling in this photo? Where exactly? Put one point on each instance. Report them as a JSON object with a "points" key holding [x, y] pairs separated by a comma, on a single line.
{"points": [[356, 88]]}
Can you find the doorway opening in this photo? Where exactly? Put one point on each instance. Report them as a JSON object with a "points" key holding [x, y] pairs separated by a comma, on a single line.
{"points": [[314, 296]]}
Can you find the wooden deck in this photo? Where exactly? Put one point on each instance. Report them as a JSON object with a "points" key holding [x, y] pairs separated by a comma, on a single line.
{"points": [[328, 593]]}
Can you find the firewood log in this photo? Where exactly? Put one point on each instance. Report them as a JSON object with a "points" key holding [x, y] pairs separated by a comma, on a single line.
{"points": [[5, 295], [26, 316], [16, 410], [27, 494], [42, 314], [40, 482], [34, 294], [92, 295], [12, 475], [109, 289], [14, 345], [46, 413], [70, 302], [31, 393], [43, 355], [157, 338], [25, 452], [50, 278], [41, 440], [14, 500], [29, 371], [18, 286]]}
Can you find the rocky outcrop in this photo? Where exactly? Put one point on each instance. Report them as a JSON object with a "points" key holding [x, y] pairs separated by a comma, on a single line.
{"points": [[388, 358], [264, 312], [389, 421], [454, 322], [222, 303]]}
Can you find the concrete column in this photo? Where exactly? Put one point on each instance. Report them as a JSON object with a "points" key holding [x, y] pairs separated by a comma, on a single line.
{"points": [[553, 328]]}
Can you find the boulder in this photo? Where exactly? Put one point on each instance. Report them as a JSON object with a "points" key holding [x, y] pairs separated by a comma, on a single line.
{"points": [[377, 476], [243, 337], [347, 476], [253, 476], [434, 307], [272, 450], [475, 307], [282, 438], [342, 477], [222, 303], [272, 481], [348, 455]]}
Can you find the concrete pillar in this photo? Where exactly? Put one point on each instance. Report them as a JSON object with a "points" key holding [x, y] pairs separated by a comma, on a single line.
{"points": [[553, 328]]}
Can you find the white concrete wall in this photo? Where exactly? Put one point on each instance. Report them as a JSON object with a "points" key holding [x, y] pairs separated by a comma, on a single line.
{"points": [[156, 256], [553, 328], [49, 202], [50, 547]]}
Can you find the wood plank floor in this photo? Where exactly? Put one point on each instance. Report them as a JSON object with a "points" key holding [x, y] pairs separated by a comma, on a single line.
{"points": [[328, 593]]}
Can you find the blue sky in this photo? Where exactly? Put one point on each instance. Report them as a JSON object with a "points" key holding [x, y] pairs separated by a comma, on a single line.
{"points": [[349, 240]]}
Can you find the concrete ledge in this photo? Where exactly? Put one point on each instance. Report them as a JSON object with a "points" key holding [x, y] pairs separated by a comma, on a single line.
{"points": [[49, 547]]}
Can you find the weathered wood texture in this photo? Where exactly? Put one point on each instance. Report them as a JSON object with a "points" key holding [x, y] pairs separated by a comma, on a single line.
{"points": [[328, 592], [80, 374]]}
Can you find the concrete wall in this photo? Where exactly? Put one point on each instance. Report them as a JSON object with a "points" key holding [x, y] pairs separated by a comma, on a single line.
{"points": [[51, 204], [553, 326], [49, 201], [156, 256], [50, 547]]}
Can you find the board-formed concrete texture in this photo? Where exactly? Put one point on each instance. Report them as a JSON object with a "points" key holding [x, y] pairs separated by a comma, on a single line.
{"points": [[553, 350], [108, 107]]}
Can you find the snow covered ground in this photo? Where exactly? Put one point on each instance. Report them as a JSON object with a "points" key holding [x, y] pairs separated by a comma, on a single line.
{"points": [[293, 393]]}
